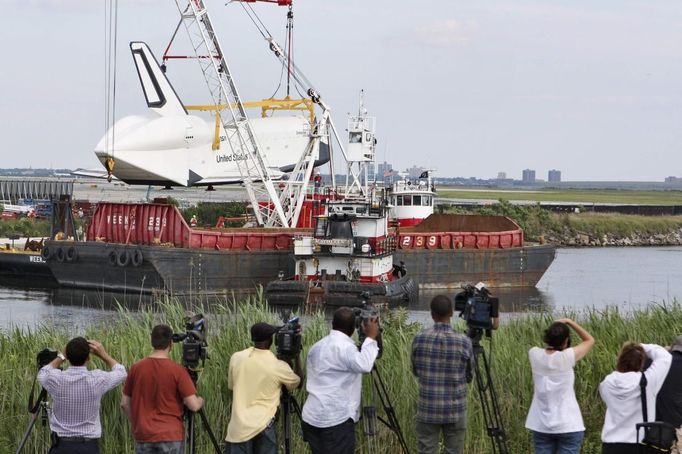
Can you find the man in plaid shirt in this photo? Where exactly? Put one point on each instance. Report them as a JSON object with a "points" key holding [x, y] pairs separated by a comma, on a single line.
{"points": [[441, 361]]}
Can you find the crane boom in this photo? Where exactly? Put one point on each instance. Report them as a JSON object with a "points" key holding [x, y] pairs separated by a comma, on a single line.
{"points": [[249, 157]]}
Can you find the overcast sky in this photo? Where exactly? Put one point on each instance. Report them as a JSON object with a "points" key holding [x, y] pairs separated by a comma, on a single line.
{"points": [[471, 88]]}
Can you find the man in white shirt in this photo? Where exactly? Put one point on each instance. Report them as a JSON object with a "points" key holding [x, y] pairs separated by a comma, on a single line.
{"points": [[334, 385]]}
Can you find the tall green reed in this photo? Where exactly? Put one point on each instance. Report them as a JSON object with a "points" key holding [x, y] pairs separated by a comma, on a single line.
{"points": [[126, 338]]}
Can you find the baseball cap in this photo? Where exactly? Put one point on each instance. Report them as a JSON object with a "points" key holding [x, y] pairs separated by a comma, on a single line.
{"points": [[260, 332], [677, 345]]}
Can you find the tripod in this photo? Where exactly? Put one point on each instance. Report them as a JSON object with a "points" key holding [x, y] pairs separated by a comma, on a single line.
{"points": [[36, 411], [486, 393], [191, 423], [288, 405], [370, 414]]}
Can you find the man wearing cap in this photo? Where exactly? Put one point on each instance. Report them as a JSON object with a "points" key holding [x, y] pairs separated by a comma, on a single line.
{"points": [[256, 377], [669, 399], [335, 367]]}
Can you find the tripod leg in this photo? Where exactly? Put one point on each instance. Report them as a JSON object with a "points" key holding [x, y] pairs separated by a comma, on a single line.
{"points": [[211, 435], [191, 434], [391, 416], [24, 439], [488, 398]]}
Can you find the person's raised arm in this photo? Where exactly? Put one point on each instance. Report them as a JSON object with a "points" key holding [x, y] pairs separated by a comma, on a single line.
{"points": [[584, 347], [363, 361], [98, 350], [661, 360]]}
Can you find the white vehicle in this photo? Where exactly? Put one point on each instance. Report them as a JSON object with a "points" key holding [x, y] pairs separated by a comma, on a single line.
{"points": [[171, 147]]}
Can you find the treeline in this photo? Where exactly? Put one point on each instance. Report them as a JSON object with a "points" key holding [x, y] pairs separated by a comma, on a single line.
{"points": [[126, 338], [207, 213], [24, 227]]}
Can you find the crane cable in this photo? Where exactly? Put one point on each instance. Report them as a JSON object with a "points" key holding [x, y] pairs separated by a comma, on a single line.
{"points": [[110, 47]]}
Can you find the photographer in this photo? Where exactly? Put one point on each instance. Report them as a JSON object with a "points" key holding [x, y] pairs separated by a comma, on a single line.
{"points": [[335, 368], [256, 377], [669, 399], [441, 361], [554, 416], [76, 395], [621, 393], [153, 398]]}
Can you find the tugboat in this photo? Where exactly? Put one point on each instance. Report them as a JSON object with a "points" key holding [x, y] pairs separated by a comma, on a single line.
{"points": [[349, 254]]}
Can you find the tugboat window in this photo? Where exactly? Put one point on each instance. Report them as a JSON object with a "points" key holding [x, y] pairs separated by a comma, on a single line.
{"points": [[399, 200], [355, 137], [417, 200], [407, 199], [426, 201]]}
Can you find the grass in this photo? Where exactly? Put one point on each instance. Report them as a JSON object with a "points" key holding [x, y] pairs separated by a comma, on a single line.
{"points": [[581, 196], [126, 338]]}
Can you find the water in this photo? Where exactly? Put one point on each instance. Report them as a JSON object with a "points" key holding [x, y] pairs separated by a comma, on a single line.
{"points": [[630, 278]]}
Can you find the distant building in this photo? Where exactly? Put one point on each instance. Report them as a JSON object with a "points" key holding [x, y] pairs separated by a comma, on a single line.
{"points": [[554, 176], [414, 171], [528, 176], [673, 180], [501, 175]]}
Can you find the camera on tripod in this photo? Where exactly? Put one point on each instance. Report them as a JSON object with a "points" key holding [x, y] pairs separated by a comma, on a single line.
{"points": [[478, 309], [362, 315], [194, 346], [45, 357], [288, 339]]}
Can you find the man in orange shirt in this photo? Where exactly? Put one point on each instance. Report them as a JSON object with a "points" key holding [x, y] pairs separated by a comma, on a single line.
{"points": [[153, 397]]}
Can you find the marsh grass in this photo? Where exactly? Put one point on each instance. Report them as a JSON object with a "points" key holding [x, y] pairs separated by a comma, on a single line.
{"points": [[126, 337]]}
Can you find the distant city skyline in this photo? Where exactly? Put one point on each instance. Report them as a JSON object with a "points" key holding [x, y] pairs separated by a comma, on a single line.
{"points": [[466, 88]]}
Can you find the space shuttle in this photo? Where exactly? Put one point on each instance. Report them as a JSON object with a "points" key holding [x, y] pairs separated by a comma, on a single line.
{"points": [[170, 147]]}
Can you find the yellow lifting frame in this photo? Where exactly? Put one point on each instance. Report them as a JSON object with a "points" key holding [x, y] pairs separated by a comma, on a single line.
{"points": [[266, 105]]}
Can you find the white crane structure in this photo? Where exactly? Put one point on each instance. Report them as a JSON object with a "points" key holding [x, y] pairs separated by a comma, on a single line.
{"points": [[271, 208]]}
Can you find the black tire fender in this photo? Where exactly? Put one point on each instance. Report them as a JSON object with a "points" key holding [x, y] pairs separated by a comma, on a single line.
{"points": [[71, 254], [59, 255], [113, 258], [123, 258], [46, 253], [137, 257]]}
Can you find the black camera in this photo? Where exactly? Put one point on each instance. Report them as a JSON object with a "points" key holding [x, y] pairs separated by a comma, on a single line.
{"points": [[194, 346], [45, 357], [288, 339], [477, 307], [362, 316]]}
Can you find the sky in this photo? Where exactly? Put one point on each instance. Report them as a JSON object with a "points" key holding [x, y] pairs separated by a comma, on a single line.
{"points": [[470, 88]]}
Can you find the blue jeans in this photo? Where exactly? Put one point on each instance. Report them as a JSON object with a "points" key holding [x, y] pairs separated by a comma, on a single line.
{"points": [[566, 443]]}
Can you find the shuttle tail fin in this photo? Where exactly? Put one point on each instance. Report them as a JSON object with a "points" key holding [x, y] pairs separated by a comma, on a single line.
{"points": [[158, 91]]}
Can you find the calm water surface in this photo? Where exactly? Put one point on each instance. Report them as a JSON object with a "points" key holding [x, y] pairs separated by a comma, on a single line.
{"points": [[579, 278]]}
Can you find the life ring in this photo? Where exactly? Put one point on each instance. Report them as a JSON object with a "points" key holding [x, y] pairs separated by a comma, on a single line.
{"points": [[71, 254], [123, 258], [113, 258], [137, 257], [46, 253], [59, 255]]}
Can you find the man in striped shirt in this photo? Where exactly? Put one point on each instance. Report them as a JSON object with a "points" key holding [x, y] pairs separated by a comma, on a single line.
{"points": [[441, 361], [76, 394]]}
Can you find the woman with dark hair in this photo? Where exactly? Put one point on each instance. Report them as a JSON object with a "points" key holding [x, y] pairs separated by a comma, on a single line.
{"points": [[621, 393], [554, 416]]}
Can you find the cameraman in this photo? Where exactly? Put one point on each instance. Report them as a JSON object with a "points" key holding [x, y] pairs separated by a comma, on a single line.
{"points": [[256, 377], [441, 361], [335, 368], [76, 395], [154, 395]]}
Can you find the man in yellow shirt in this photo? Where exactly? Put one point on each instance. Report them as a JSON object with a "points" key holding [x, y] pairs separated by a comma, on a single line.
{"points": [[256, 378]]}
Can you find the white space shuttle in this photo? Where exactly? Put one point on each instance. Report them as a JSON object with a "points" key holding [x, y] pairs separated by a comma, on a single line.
{"points": [[170, 147]]}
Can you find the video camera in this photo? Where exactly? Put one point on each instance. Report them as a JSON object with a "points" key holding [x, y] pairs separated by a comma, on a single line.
{"points": [[45, 357], [477, 307], [288, 338], [194, 346], [362, 316]]}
